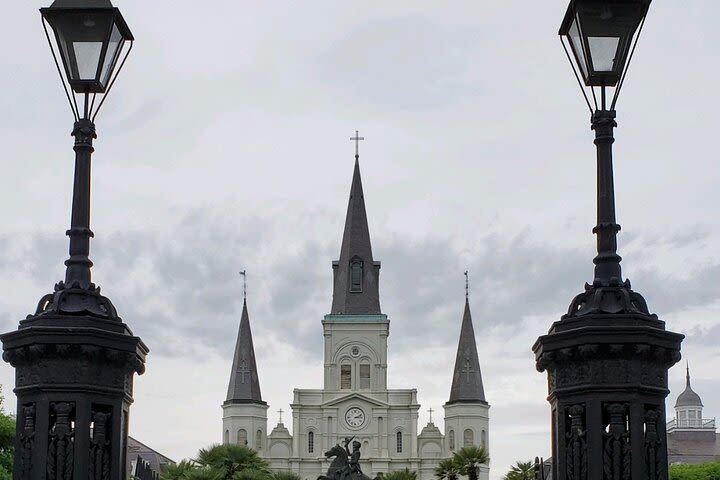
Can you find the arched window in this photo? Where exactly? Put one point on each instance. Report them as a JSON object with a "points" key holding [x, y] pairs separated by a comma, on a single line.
{"points": [[345, 377], [451, 439], [258, 440], [483, 439], [365, 376], [227, 436], [468, 437], [311, 442], [398, 441], [356, 274], [242, 437]]}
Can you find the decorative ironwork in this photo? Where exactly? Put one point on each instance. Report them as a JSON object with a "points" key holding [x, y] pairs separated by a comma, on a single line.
{"points": [[576, 445], [616, 445], [61, 447], [143, 470], [100, 447], [27, 438], [655, 457]]}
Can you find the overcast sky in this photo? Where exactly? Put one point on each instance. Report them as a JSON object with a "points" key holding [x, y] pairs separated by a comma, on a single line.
{"points": [[225, 146]]}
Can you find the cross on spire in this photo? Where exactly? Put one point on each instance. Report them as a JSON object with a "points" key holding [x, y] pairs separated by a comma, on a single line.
{"points": [[243, 370], [467, 285], [467, 370], [431, 412], [244, 275], [280, 412], [357, 139]]}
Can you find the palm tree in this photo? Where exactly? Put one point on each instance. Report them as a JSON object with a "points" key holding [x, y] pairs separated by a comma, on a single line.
{"points": [[469, 460], [405, 474], [180, 471], [447, 469], [521, 471], [233, 462]]}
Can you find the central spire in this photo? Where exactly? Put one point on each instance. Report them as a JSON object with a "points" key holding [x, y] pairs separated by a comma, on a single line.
{"points": [[355, 275]]}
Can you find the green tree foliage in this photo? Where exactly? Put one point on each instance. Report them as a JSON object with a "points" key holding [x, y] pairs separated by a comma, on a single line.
{"points": [[405, 474], [699, 471], [221, 462], [233, 462], [447, 469], [286, 476], [7, 439], [179, 471], [469, 459], [521, 471]]}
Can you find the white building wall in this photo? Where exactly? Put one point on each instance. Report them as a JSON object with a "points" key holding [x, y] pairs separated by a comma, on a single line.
{"points": [[251, 417], [474, 417]]}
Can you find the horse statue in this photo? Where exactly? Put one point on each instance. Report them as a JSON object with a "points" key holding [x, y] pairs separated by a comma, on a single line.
{"points": [[339, 467]]}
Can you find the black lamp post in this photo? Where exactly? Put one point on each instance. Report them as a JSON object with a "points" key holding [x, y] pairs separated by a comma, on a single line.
{"points": [[74, 357], [607, 358]]}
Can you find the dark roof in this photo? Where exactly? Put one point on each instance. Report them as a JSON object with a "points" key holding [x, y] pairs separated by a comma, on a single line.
{"points": [[244, 386], [693, 447], [81, 4], [156, 460], [356, 246], [467, 385], [688, 398]]}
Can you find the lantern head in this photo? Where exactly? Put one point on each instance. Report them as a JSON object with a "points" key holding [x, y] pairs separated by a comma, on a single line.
{"points": [[600, 34], [90, 35]]}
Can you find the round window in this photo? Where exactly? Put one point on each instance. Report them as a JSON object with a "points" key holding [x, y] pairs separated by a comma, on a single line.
{"points": [[355, 351]]}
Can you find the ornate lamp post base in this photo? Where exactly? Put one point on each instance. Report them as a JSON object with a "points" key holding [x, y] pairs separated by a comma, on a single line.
{"points": [[607, 383], [74, 381]]}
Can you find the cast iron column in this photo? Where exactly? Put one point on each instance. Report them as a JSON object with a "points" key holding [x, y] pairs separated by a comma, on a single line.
{"points": [[607, 360], [74, 360], [78, 265], [607, 261]]}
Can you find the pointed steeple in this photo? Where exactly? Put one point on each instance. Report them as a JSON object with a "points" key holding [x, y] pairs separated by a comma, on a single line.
{"points": [[467, 385], [244, 384], [356, 275]]}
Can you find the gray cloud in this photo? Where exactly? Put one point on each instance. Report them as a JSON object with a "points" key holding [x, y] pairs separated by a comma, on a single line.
{"points": [[181, 290]]}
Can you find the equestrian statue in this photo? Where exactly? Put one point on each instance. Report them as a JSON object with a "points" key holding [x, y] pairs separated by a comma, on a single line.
{"points": [[346, 464]]}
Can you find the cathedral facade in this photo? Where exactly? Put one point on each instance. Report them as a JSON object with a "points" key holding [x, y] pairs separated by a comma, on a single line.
{"points": [[355, 400]]}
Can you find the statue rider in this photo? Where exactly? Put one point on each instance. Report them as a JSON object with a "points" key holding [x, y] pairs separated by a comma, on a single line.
{"points": [[353, 460]]}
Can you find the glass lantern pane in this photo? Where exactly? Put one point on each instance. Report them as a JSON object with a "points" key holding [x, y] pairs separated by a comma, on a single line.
{"points": [[578, 47], [603, 51], [87, 56], [116, 40]]}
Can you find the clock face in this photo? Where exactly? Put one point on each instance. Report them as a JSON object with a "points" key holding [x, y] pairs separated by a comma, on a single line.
{"points": [[355, 417]]}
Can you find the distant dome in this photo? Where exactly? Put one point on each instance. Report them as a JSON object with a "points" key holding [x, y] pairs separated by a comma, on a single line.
{"points": [[688, 398]]}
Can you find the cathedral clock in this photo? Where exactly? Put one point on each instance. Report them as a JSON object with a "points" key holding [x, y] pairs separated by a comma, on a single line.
{"points": [[355, 417]]}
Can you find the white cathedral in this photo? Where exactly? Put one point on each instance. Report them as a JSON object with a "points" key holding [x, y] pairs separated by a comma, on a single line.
{"points": [[355, 400]]}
